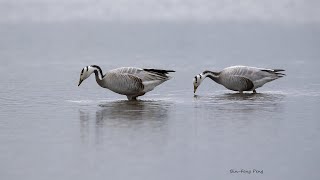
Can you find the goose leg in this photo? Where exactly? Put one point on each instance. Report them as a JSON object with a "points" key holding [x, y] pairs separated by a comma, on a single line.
{"points": [[254, 91], [132, 98]]}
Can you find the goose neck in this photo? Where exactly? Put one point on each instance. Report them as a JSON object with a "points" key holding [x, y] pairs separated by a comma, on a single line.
{"points": [[212, 75]]}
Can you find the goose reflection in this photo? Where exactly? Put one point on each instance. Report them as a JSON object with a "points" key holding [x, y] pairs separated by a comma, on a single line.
{"points": [[84, 125], [132, 111], [126, 119], [242, 102]]}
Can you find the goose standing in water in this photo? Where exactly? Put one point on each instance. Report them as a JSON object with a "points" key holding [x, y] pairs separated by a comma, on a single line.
{"points": [[129, 81], [240, 78]]}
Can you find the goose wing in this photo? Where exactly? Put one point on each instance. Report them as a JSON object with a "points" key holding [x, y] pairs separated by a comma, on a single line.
{"points": [[238, 83], [255, 77], [144, 74], [253, 73], [126, 84], [138, 78], [235, 81]]}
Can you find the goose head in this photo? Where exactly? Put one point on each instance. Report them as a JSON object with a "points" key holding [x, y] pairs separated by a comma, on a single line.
{"points": [[197, 81], [85, 73]]}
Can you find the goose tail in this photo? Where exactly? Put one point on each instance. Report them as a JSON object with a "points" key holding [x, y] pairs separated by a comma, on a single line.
{"points": [[277, 72]]}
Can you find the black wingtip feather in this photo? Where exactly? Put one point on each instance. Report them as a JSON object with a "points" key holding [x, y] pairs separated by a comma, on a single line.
{"points": [[280, 74], [273, 70], [278, 70], [161, 71]]}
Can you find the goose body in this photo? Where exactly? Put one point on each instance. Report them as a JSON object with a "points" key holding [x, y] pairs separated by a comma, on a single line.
{"points": [[129, 81], [240, 78]]}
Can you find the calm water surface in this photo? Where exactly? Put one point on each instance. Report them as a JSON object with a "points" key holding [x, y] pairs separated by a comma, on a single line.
{"points": [[52, 129]]}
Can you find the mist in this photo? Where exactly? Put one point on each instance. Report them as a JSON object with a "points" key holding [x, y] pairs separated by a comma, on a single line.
{"points": [[272, 11]]}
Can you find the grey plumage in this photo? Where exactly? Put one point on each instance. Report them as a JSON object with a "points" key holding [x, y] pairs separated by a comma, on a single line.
{"points": [[241, 78], [129, 81]]}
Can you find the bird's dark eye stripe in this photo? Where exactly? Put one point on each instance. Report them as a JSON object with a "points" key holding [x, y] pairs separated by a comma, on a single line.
{"points": [[87, 68]]}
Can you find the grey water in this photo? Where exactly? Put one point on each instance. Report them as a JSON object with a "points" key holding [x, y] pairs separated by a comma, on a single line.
{"points": [[52, 129]]}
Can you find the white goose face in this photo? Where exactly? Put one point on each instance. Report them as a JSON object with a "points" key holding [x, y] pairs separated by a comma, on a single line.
{"points": [[85, 73], [196, 82]]}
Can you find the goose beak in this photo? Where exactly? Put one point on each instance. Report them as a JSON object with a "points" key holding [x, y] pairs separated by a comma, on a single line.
{"points": [[194, 89], [80, 82]]}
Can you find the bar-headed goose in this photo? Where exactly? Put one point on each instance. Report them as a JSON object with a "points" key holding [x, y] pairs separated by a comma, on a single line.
{"points": [[240, 78], [129, 81]]}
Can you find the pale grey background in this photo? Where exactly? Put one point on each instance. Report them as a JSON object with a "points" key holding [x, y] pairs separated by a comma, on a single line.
{"points": [[52, 129]]}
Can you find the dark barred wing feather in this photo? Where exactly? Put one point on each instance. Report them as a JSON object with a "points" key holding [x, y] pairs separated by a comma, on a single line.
{"points": [[159, 72]]}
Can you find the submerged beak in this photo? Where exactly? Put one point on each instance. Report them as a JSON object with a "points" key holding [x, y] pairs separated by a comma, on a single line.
{"points": [[194, 89], [80, 82]]}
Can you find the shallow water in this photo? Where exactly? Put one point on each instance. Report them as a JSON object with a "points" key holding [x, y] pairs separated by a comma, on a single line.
{"points": [[52, 129]]}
